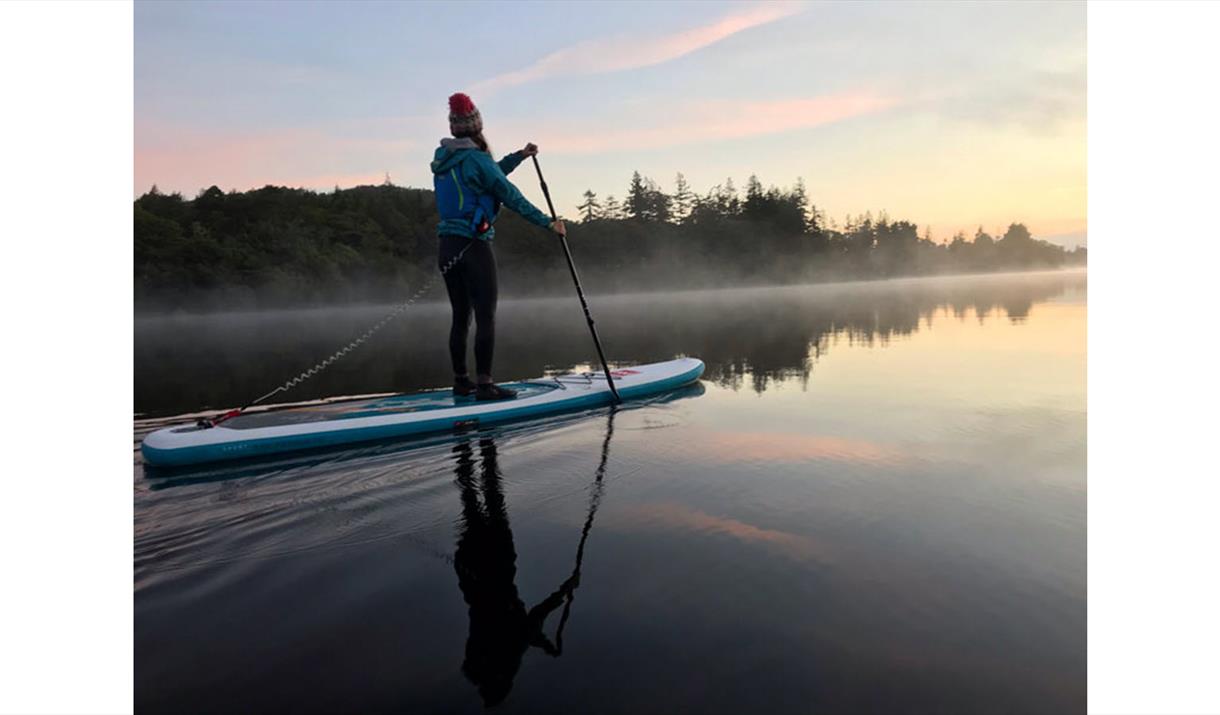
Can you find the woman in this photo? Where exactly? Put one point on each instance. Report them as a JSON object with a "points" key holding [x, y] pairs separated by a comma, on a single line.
{"points": [[470, 187]]}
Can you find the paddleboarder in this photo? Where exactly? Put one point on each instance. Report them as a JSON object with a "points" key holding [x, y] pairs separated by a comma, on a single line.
{"points": [[470, 189]]}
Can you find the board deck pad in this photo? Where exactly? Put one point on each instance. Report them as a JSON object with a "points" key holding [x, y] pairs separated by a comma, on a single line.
{"points": [[323, 425], [396, 405]]}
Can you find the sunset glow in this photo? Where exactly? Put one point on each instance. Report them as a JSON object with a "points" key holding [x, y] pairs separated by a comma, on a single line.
{"points": [[953, 116]]}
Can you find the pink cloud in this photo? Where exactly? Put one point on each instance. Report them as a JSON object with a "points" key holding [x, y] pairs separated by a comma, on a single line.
{"points": [[625, 52], [713, 121], [186, 159]]}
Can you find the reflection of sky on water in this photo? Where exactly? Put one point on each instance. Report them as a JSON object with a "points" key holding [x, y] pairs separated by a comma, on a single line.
{"points": [[876, 503]]}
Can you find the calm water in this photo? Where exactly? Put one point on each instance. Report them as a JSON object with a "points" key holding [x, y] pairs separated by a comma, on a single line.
{"points": [[874, 502]]}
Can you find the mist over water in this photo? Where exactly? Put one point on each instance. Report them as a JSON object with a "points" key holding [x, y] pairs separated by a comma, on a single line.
{"points": [[185, 363], [874, 502]]}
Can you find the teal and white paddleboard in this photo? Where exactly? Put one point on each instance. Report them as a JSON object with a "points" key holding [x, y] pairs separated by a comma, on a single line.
{"points": [[290, 430]]}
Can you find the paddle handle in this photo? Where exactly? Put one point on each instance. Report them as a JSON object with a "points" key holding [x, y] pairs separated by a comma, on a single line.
{"points": [[584, 304]]}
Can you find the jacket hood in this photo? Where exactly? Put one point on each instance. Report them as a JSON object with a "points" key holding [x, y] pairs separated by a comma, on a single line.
{"points": [[450, 153]]}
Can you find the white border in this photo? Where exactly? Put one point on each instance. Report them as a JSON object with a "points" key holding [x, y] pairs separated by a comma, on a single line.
{"points": [[65, 280], [1154, 584]]}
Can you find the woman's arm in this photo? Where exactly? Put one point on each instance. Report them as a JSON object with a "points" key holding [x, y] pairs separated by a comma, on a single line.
{"points": [[512, 161], [491, 179]]}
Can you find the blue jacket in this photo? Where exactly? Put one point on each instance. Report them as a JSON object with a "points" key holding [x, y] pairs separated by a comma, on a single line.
{"points": [[470, 187]]}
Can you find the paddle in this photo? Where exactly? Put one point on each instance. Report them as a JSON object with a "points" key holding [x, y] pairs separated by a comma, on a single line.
{"points": [[576, 279]]}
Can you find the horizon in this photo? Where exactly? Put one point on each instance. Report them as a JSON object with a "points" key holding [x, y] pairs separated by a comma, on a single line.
{"points": [[950, 116], [832, 223]]}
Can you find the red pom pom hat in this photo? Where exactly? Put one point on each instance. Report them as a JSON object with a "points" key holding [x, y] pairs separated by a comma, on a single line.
{"points": [[464, 117]]}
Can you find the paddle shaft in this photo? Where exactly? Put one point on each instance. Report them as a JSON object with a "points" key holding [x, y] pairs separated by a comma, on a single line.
{"points": [[584, 304]]}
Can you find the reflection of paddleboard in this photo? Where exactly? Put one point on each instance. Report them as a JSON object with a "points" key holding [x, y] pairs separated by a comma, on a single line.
{"points": [[275, 432]]}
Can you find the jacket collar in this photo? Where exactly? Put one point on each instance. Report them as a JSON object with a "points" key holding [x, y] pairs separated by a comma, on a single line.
{"points": [[453, 144]]}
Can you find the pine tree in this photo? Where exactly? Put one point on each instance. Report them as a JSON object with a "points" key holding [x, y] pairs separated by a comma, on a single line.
{"points": [[683, 199], [754, 189], [817, 219], [731, 205], [590, 210], [636, 204], [800, 197], [759, 205], [613, 210], [657, 202]]}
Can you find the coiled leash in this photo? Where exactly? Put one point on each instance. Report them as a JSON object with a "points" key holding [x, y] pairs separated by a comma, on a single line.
{"points": [[319, 367]]}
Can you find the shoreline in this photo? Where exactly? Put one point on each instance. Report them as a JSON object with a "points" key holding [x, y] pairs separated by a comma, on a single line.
{"points": [[153, 314]]}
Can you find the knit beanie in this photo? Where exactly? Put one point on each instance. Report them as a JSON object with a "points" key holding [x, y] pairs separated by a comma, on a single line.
{"points": [[464, 118]]}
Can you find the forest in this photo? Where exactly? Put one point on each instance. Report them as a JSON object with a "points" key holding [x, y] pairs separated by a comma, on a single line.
{"points": [[279, 247]]}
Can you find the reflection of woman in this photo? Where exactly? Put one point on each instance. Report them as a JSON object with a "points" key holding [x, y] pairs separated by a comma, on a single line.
{"points": [[501, 629]]}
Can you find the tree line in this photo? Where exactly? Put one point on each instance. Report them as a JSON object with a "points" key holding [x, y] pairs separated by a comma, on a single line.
{"points": [[276, 246]]}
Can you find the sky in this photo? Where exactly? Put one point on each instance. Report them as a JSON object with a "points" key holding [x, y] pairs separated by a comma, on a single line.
{"points": [[951, 115]]}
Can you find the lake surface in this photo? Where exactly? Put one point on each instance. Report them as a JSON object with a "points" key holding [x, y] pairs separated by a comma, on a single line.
{"points": [[875, 501]]}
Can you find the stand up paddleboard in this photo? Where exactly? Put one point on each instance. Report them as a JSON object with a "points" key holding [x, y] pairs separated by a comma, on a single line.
{"points": [[279, 431]]}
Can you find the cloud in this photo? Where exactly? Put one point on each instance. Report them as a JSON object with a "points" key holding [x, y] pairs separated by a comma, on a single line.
{"points": [[186, 159], [714, 121], [1039, 101], [627, 52]]}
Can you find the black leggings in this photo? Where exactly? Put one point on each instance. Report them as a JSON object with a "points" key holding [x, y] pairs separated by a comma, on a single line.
{"points": [[471, 283]]}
